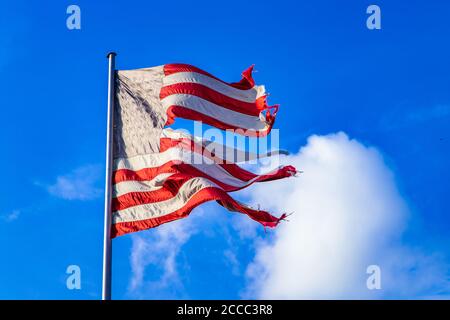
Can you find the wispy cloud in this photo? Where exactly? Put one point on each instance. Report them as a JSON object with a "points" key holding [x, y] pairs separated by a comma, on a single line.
{"points": [[349, 214], [80, 184], [245, 227], [232, 261], [399, 118], [159, 248], [12, 216], [424, 114]]}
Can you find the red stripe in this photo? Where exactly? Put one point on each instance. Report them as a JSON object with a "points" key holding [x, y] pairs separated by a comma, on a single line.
{"points": [[186, 143], [237, 172], [204, 195], [185, 113], [246, 82], [167, 191], [143, 174], [201, 91], [280, 173]]}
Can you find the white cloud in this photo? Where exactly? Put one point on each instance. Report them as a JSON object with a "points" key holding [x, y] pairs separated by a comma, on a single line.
{"points": [[80, 184], [348, 215]]}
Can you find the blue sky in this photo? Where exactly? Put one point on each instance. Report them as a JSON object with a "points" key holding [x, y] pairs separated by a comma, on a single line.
{"points": [[386, 88]]}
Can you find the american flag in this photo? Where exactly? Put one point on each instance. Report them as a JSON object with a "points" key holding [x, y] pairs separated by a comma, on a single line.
{"points": [[155, 178]]}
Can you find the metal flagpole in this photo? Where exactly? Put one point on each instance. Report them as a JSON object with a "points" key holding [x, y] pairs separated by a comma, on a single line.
{"points": [[107, 245]]}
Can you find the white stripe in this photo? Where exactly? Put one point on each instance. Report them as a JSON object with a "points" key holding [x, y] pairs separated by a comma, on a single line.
{"points": [[249, 95], [152, 160], [155, 160], [158, 209], [220, 174], [215, 111], [125, 187]]}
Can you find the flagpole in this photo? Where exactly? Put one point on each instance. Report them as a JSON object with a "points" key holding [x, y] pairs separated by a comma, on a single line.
{"points": [[107, 245]]}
